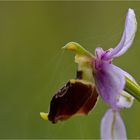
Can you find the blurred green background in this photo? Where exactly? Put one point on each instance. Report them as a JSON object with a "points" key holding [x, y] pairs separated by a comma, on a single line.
{"points": [[33, 66]]}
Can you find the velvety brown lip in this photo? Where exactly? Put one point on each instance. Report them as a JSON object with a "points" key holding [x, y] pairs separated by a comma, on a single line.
{"points": [[76, 97]]}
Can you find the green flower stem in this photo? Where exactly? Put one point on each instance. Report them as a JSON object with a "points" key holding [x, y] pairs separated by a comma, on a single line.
{"points": [[132, 89]]}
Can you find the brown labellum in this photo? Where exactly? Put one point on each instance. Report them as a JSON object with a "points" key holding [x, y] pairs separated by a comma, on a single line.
{"points": [[76, 97]]}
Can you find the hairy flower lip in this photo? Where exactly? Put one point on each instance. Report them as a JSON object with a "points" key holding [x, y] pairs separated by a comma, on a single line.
{"points": [[77, 97]]}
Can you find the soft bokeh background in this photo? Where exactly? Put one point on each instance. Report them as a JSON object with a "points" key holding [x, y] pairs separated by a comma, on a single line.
{"points": [[33, 66]]}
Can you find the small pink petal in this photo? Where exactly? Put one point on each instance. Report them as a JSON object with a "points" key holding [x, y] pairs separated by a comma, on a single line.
{"points": [[125, 100], [112, 126], [126, 74], [110, 83], [127, 37]]}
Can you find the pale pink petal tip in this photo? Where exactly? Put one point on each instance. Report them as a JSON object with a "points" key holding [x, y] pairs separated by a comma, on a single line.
{"points": [[112, 126]]}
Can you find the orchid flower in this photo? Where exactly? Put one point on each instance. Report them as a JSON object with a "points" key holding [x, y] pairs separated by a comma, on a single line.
{"points": [[98, 77]]}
